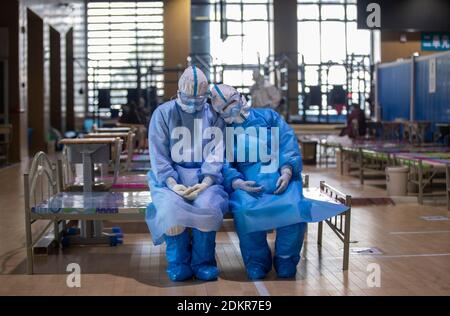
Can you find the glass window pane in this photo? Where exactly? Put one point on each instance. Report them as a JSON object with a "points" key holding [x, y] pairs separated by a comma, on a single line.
{"points": [[309, 41], [311, 75], [351, 12], [337, 75], [358, 41], [307, 12], [333, 42], [245, 40], [233, 77], [229, 51], [233, 12], [255, 12], [233, 28], [333, 12], [254, 43], [118, 35]]}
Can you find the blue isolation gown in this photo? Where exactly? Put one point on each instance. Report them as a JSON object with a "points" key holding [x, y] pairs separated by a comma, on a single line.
{"points": [[265, 211], [168, 209]]}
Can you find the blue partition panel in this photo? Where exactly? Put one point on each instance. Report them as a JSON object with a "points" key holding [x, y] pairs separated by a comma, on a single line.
{"points": [[394, 86], [433, 107]]}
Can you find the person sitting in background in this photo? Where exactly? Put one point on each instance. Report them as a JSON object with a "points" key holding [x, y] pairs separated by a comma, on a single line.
{"points": [[129, 114], [356, 123], [143, 112]]}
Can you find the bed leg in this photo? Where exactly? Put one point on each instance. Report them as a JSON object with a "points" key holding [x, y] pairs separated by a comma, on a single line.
{"points": [[447, 185], [320, 154], [420, 195], [56, 231], [319, 234], [346, 241], [28, 234], [130, 150], [361, 170]]}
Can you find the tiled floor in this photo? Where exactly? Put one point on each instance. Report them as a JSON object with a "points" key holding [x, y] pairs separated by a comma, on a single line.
{"points": [[415, 257]]}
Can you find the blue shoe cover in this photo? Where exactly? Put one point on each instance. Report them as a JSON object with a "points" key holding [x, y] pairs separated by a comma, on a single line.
{"points": [[255, 272], [179, 272], [178, 255], [206, 272], [285, 268], [203, 261]]}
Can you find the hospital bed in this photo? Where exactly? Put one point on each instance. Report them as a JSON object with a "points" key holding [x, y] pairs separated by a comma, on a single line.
{"points": [[375, 157], [104, 152], [44, 201], [428, 166], [128, 139], [140, 131], [339, 224]]}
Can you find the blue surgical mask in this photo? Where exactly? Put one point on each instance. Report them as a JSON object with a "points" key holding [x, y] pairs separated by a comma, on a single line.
{"points": [[235, 111]]}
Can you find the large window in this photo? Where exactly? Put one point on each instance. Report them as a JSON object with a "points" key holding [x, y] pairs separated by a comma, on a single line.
{"points": [[240, 37], [334, 59], [125, 50]]}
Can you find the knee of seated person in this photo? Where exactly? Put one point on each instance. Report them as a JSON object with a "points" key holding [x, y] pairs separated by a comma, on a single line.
{"points": [[174, 231], [205, 204]]}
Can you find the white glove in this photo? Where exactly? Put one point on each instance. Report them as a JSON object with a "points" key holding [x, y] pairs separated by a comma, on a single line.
{"points": [[192, 192], [249, 186], [283, 180], [175, 187]]}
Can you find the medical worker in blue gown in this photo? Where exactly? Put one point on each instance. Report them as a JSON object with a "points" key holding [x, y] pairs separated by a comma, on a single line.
{"points": [[263, 198], [188, 200]]}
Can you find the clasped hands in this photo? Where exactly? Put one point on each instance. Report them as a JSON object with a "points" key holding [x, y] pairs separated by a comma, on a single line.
{"points": [[189, 193]]}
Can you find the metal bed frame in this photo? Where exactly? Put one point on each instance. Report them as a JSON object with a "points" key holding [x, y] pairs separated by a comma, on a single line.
{"points": [[339, 224], [359, 158], [425, 177], [327, 150], [42, 171], [365, 160]]}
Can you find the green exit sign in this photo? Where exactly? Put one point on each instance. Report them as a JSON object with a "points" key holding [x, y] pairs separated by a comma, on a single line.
{"points": [[436, 41]]}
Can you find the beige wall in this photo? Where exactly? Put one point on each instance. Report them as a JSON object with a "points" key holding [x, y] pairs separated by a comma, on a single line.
{"points": [[392, 49], [177, 39]]}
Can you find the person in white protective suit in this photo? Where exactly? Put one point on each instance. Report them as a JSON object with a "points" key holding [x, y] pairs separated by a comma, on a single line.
{"points": [[264, 94]]}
